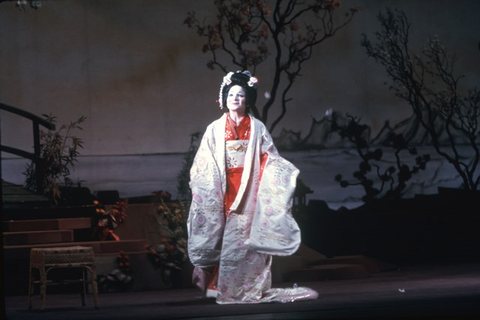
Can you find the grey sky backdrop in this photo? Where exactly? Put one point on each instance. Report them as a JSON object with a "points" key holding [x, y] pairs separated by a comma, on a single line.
{"points": [[138, 74]]}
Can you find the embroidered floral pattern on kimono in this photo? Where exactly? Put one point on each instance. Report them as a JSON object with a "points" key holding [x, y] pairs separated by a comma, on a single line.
{"points": [[242, 236]]}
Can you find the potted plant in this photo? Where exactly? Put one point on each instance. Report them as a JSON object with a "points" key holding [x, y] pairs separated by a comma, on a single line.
{"points": [[59, 150]]}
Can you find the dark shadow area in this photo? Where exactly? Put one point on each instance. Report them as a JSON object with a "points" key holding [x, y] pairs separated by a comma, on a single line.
{"points": [[428, 291], [440, 228]]}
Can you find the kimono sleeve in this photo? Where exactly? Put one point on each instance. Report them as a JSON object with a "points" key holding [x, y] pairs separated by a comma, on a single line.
{"points": [[274, 230], [206, 218]]}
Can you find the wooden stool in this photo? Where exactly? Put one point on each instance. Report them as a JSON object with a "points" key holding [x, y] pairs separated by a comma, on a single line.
{"points": [[46, 259]]}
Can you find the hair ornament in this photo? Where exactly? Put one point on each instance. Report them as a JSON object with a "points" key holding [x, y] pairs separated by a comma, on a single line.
{"points": [[227, 80], [253, 82]]}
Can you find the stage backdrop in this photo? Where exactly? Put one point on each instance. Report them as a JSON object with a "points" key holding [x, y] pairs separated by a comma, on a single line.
{"points": [[138, 74]]}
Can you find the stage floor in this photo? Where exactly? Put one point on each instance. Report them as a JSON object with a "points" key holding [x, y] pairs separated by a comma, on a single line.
{"points": [[429, 291]]}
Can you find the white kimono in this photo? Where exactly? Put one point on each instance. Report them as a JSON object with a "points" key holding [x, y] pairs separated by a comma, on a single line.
{"points": [[259, 224]]}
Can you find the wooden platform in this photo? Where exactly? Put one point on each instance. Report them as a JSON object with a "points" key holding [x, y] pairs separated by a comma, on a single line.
{"points": [[37, 237], [433, 292], [30, 225], [33, 221], [14, 194], [47, 224]]}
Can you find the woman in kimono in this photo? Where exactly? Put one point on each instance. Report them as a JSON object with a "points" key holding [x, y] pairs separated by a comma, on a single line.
{"points": [[242, 194]]}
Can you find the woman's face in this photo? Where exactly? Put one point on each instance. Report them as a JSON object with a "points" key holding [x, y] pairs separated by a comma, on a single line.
{"points": [[236, 99]]}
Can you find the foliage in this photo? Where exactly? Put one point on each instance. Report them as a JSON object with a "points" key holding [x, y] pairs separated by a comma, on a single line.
{"points": [[370, 168], [175, 213], [249, 33], [105, 222], [22, 4], [123, 261], [427, 81], [170, 254], [119, 279], [183, 177], [59, 150]]}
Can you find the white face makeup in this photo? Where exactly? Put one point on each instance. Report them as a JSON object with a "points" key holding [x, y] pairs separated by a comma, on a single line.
{"points": [[236, 100]]}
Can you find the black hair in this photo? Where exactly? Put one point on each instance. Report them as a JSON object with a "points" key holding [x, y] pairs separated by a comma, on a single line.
{"points": [[241, 79]]}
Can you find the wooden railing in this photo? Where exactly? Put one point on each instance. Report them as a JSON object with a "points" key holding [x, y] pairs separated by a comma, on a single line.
{"points": [[38, 161]]}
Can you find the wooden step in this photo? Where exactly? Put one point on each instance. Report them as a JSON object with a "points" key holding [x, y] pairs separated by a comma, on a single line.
{"points": [[17, 260], [17, 194], [47, 224], [123, 245], [328, 272], [37, 237], [372, 265], [146, 275], [283, 265], [12, 252], [49, 212]]}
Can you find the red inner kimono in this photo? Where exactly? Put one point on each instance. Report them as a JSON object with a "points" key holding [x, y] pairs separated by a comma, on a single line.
{"points": [[234, 175]]}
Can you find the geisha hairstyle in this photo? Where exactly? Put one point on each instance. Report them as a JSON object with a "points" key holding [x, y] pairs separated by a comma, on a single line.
{"points": [[240, 78]]}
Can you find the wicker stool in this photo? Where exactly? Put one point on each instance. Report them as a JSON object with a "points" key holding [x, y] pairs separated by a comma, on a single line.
{"points": [[46, 259]]}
